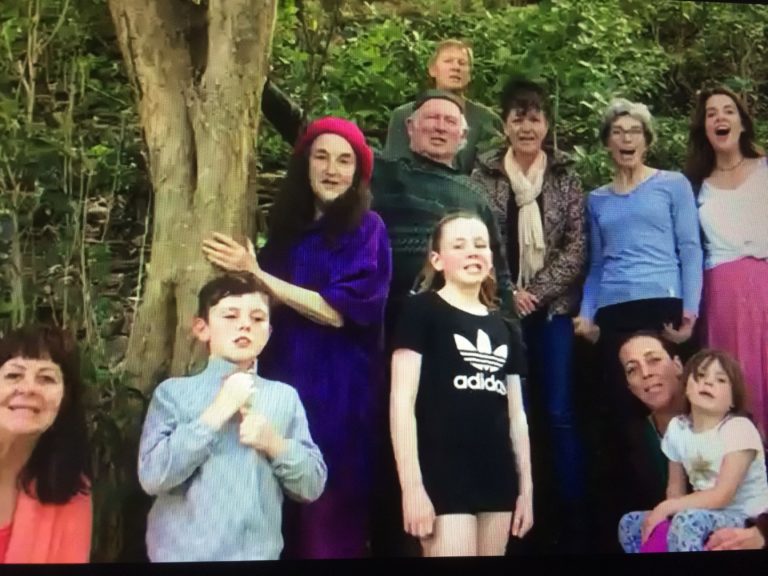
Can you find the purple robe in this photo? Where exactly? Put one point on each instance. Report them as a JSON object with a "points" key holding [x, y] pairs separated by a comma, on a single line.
{"points": [[336, 372]]}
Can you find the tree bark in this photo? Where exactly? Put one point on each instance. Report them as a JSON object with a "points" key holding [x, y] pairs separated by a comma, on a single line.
{"points": [[199, 111]]}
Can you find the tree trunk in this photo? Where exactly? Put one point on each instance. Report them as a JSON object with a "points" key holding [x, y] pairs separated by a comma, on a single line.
{"points": [[198, 74]]}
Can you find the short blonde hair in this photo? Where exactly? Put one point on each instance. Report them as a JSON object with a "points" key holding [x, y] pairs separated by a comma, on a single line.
{"points": [[452, 43], [619, 107]]}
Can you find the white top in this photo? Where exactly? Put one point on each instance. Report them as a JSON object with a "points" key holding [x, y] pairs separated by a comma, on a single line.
{"points": [[702, 453], [735, 221]]}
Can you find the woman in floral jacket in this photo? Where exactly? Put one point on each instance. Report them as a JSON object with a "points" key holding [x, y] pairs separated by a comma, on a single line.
{"points": [[539, 206]]}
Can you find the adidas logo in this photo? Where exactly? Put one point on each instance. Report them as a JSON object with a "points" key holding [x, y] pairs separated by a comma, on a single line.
{"points": [[481, 356]]}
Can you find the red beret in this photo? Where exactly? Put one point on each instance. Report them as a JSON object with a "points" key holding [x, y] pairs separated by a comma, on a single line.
{"points": [[347, 130]]}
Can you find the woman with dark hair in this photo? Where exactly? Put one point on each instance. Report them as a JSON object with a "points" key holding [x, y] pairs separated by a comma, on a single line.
{"points": [[713, 448], [45, 501], [730, 173], [327, 261], [538, 203], [645, 273]]}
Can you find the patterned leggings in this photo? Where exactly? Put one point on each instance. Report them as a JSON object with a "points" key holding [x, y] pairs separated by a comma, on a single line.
{"points": [[688, 531]]}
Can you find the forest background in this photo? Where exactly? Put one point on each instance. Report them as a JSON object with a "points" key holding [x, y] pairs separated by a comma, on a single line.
{"points": [[76, 197]]}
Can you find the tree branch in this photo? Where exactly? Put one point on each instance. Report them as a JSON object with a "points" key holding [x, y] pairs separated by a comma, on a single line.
{"points": [[317, 65], [43, 45]]}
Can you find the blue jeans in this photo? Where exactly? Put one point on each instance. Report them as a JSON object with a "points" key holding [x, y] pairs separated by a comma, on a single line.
{"points": [[688, 531], [550, 354]]}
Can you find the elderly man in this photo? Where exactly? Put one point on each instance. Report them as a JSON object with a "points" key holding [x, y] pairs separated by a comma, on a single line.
{"points": [[653, 376], [449, 69], [411, 194]]}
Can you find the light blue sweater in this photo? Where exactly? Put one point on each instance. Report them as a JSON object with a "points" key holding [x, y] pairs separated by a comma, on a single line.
{"points": [[218, 499], [644, 244]]}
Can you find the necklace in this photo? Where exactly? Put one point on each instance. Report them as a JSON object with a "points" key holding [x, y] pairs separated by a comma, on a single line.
{"points": [[732, 168]]}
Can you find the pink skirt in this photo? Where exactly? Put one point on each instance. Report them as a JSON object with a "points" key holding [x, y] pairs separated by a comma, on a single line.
{"points": [[736, 320]]}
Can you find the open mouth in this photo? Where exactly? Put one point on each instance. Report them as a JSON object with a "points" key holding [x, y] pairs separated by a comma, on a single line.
{"points": [[706, 394], [653, 389], [437, 140], [242, 342], [330, 182], [626, 153], [722, 131], [473, 268], [22, 409]]}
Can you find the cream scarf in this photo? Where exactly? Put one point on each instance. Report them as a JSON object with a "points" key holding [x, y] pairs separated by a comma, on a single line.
{"points": [[530, 231]]}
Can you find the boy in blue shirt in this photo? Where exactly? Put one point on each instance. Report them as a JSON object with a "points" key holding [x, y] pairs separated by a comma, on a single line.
{"points": [[218, 449]]}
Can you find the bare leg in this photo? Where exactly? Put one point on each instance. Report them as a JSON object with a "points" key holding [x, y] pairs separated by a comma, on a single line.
{"points": [[454, 535], [493, 533]]}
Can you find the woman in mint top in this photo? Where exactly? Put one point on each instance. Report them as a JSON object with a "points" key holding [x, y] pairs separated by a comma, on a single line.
{"points": [[645, 273]]}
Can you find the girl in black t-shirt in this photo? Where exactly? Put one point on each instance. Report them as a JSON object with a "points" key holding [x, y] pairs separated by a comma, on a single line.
{"points": [[459, 431]]}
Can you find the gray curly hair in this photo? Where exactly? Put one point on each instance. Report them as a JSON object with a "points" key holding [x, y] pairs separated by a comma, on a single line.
{"points": [[619, 107]]}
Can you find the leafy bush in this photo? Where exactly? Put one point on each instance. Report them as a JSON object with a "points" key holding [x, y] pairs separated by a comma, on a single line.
{"points": [[585, 52], [72, 176]]}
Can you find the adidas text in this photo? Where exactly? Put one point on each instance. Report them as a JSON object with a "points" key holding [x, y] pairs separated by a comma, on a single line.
{"points": [[480, 381]]}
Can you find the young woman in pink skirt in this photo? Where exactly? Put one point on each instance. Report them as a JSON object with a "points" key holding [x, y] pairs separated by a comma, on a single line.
{"points": [[730, 173]]}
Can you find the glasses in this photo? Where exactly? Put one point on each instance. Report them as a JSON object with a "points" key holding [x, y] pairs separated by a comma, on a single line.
{"points": [[620, 132]]}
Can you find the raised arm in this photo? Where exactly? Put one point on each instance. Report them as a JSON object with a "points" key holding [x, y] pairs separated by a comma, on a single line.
{"points": [[306, 302], [285, 115], [223, 251]]}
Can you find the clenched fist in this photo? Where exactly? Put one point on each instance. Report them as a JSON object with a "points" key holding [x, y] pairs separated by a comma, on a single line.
{"points": [[235, 392], [258, 433]]}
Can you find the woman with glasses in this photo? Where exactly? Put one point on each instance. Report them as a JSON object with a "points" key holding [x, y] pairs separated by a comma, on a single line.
{"points": [[645, 273]]}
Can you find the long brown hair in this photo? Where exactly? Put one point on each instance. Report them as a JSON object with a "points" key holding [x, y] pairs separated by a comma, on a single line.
{"points": [[702, 360], [431, 279], [700, 161], [294, 208]]}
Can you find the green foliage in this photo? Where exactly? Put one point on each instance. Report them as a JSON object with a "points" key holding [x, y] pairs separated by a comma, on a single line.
{"points": [[73, 181], [69, 156], [586, 52]]}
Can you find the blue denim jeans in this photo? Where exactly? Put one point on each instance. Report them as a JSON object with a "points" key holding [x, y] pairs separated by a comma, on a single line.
{"points": [[550, 353]]}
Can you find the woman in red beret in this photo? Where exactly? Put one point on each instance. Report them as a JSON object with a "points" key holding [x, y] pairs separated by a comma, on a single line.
{"points": [[327, 261]]}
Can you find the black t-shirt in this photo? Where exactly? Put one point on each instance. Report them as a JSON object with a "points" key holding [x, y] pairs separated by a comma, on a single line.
{"points": [[462, 413]]}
